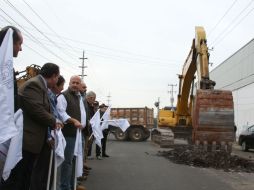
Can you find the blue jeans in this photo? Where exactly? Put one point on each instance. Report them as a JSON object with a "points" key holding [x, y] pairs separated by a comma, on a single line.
{"points": [[68, 166]]}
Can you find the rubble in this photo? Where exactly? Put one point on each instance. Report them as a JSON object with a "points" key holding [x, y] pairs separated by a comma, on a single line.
{"points": [[189, 155]]}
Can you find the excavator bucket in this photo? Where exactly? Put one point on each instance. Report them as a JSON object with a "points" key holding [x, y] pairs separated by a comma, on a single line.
{"points": [[213, 119]]}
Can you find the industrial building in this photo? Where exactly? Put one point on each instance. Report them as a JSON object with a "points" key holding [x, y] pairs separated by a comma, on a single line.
{"points": [[237, 74]]}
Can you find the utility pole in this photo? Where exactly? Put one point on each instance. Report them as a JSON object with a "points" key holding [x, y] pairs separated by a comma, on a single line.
{"points": [[83, 66], [172, 96], [108, 100]]}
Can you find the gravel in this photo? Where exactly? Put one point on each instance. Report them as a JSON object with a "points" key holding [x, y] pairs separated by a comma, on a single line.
{"points": [[189, 155]]}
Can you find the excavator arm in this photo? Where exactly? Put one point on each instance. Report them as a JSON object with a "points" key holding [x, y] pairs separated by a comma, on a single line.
{"points": [[207, 114], [197, 62]]}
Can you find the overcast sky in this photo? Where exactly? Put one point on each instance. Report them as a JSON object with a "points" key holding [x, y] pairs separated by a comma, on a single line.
{"points": [[135, 48]]}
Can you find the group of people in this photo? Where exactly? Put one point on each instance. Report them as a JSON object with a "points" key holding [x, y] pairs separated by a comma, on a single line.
{"points": [[47, 108]]}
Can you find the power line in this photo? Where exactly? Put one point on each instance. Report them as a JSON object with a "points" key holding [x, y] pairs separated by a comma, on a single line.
{"points": [[115, 50], [96, 79], [30, 35], [103, 47], [59, 37], [222, 18], [126, 60], [230, 24], [151, 59], [36, 52], [105, 55], [121, 51], [23, 16], [234, 27], [113, 57]]}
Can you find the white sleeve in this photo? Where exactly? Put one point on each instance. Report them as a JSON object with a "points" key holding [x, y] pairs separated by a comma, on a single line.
{"points": [[61, 108]]}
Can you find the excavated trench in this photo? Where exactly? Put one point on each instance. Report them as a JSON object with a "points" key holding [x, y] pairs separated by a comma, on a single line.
{"points": [[189, 155]]}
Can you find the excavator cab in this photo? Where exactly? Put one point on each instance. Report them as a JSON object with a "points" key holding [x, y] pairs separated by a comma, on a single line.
{"points": [[167, 117]]}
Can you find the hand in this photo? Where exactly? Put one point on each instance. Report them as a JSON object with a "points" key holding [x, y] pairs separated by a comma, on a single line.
{"points": [[77, 124], [59, 125], [51, 143]]}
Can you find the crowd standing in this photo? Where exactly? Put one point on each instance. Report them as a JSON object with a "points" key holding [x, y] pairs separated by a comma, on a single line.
{"points": [[47, 109]]}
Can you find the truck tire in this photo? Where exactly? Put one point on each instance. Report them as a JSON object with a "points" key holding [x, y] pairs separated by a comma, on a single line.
{"points": [[136, 134], [146, 134], [120, 135]]}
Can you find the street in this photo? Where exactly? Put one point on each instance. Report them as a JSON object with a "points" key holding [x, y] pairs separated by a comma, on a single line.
{"points": [[135, 165]]}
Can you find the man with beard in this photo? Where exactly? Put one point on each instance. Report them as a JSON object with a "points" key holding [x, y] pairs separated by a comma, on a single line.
{"points": [[71, 108]]}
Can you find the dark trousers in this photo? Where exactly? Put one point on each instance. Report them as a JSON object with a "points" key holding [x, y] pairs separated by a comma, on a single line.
{"points": [[98, 149], [40, 171], [20, 176], [103, 144], [30, 173], [89, 147]]}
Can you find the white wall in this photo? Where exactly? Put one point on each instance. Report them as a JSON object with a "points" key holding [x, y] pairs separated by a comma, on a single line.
{"points": [[244, 107], [237, 74]]}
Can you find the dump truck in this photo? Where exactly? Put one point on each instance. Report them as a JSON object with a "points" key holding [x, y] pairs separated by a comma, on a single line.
{"points": [[141, 121], [204, 116]]}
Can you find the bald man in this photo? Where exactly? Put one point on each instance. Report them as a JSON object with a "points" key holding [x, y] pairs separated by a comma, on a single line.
{"points": [[71, 108], [83, 89]]}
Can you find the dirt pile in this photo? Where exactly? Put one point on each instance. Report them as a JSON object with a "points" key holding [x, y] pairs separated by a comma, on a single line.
{"points": [[189, 155]]}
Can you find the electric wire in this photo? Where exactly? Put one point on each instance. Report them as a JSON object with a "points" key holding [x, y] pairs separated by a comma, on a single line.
{"points": [[30, 36], [227, 11], [25, 18], [50, 28], [239, 22], [230, 24]]}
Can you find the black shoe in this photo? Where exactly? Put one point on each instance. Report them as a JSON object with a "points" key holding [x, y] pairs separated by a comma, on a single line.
{"points": [[105, 155], [86, 167]]}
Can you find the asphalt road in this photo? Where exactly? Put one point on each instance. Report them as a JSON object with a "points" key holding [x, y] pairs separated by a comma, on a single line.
{"points": [[238, 151], [136, 166]]}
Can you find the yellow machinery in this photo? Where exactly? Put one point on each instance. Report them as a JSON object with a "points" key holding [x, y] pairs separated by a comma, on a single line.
{"points": [[30, 72], [167, 118], [205, 117]]}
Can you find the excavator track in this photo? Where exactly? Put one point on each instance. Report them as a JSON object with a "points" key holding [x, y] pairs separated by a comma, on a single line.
{"points": [[163, 137]]}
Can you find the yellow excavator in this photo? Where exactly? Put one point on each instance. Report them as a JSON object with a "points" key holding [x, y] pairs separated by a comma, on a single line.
{"points": [[204, 116], [30, 72]]}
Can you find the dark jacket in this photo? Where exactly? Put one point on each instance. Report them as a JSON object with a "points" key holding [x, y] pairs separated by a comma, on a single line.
{"points": [[33, 99], [16, 105], [90, 112]]}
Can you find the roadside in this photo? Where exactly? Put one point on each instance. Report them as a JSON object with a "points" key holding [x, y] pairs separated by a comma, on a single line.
{"points": [[236, 150], [198, 156]]}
